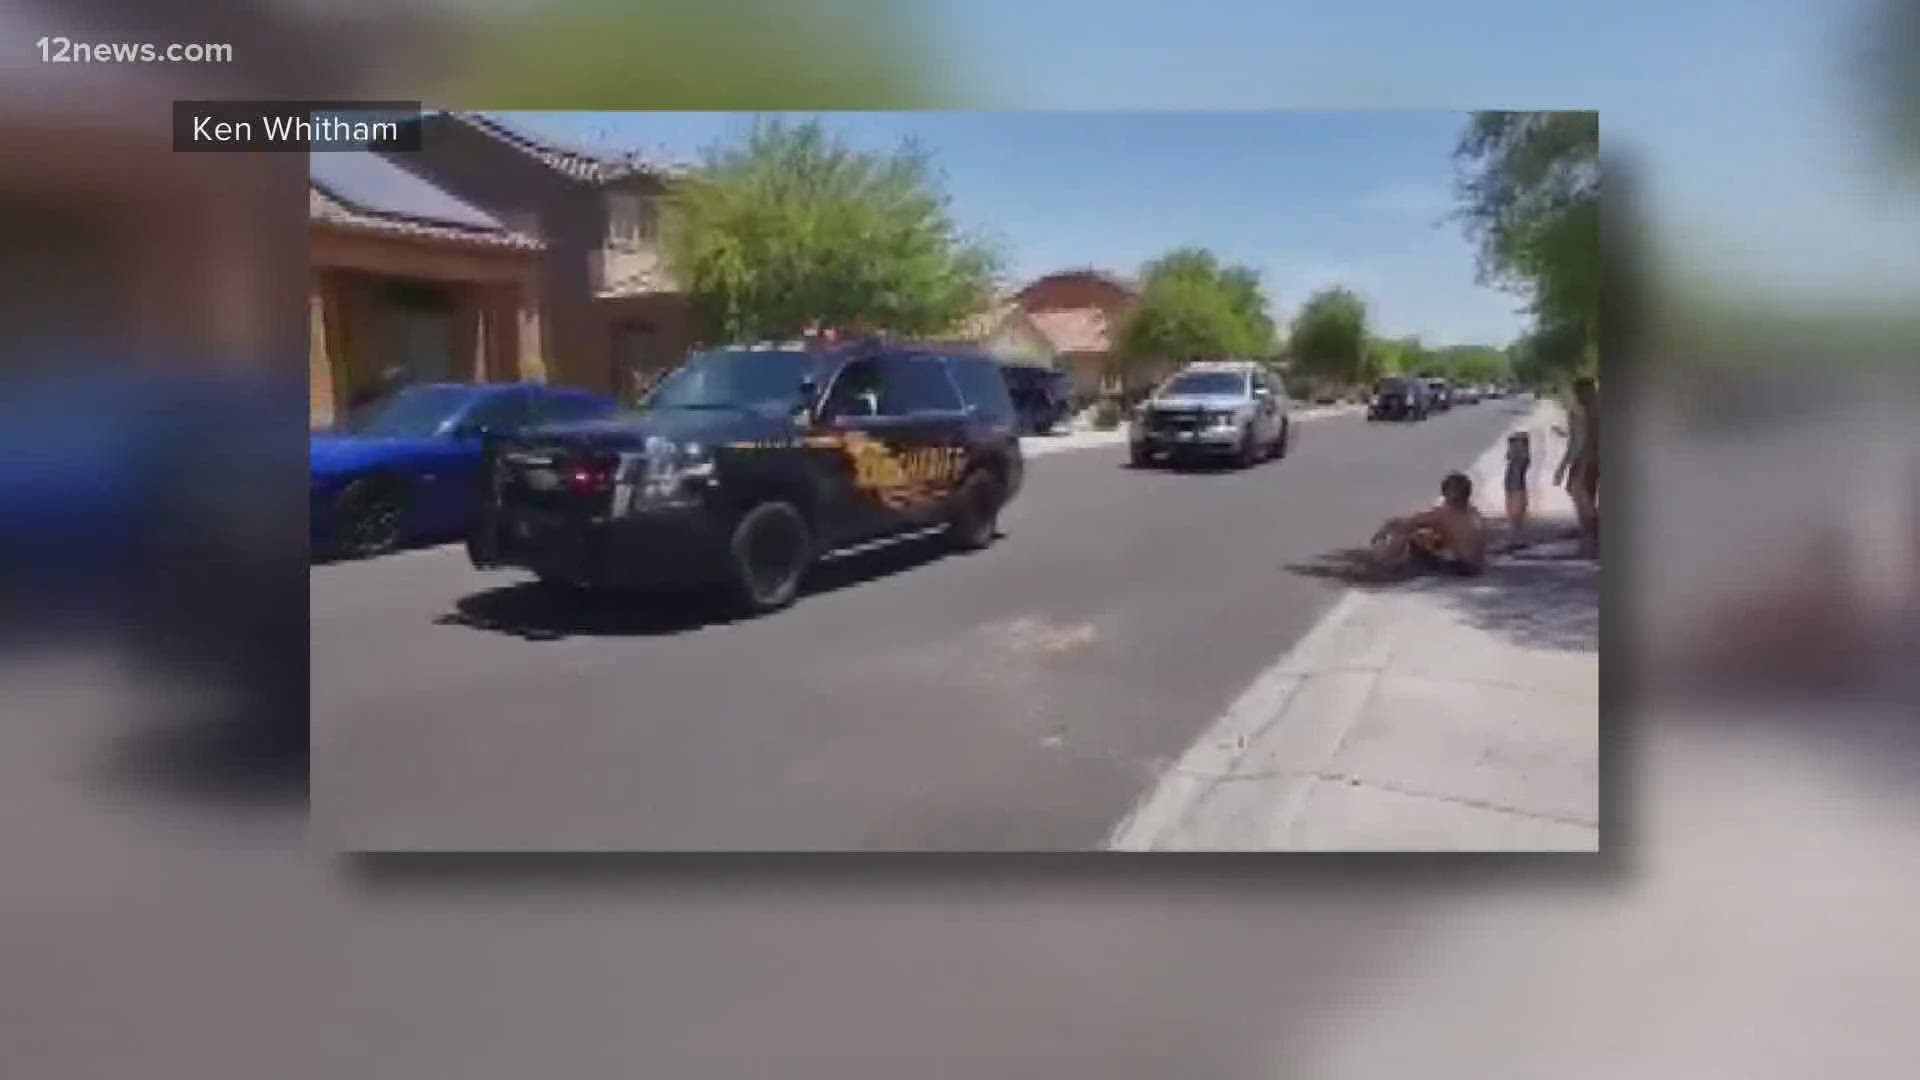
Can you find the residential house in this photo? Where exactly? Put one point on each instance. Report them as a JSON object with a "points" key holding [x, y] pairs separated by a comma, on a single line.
{"points": [[614, 320], [1080, 313], [1009, 334], [407, 283]]}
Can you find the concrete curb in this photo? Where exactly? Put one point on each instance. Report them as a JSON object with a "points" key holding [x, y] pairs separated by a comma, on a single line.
{"points": [[1244, 785], [1215, 756]]}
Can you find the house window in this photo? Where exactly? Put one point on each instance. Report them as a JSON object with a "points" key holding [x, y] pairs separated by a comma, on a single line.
{"points": [[632, 219]]}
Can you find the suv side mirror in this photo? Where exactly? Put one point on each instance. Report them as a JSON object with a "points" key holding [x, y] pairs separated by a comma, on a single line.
{"points": [[806, 400]]}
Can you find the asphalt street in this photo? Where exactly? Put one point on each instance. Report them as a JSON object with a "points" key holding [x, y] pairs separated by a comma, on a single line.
{"points": [[167, 915], [1020, 698]]}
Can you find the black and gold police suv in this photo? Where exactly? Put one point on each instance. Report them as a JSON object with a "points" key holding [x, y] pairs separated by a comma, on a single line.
{"points": [[744, 466]]}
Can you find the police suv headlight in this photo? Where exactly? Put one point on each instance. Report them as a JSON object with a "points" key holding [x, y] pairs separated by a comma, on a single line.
{"points": [[1227, 419], [693, 462], [667, 469]]}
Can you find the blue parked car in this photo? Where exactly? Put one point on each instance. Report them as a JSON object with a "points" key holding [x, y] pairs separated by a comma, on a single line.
{"points": [[409, 468]]}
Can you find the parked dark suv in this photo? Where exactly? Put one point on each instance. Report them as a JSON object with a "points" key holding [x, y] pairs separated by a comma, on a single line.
{"points": [[1041, 396], [744, 466], [1398, 398]]}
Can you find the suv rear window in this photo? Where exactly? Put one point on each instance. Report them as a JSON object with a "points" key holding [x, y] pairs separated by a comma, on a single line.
{"points": [[911, 385], [508, 410], [1018, 377], [984, 386], [1206, 382], [558, 408]]}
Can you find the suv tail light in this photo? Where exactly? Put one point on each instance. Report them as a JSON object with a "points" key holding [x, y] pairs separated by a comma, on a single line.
{"points": [[590, 476]]}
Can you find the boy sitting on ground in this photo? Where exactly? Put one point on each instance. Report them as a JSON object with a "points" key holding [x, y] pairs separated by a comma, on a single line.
{"points": [[1450, 538]]}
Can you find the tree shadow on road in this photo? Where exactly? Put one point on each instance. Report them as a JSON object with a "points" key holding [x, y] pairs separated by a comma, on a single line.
{"points": [[1538, 603], [1541, 604], [1348, 566], [539, 612]]}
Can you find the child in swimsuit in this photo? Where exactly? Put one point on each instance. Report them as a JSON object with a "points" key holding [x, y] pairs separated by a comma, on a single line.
{"points": [[1448, 538], [1519, 463]]}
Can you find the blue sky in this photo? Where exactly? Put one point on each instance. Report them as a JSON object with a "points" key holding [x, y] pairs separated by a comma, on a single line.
{"points": [[1309, 199], [1744, 124], [1747, 123]]}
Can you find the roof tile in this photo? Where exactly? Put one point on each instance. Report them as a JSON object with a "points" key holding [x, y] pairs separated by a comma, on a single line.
{"points": [[1118, 281], [325, 208], [579, 163], [1074, 330]]}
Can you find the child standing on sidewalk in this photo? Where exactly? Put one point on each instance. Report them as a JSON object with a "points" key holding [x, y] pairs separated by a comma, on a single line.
{"points": [[1519, 464]]}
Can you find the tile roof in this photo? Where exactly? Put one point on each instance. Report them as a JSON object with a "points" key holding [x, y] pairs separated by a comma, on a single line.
{"points": [[1072, 330], [984, 324], [326, 208], [1118, 281], [579, 163], [371, 182]]}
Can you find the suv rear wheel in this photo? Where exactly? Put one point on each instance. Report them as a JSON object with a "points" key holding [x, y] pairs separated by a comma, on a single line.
{"points": [[771, 550], [976, 510]]}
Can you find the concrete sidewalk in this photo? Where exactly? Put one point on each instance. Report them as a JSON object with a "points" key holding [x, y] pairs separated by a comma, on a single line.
{"points": [[1432, 715]]}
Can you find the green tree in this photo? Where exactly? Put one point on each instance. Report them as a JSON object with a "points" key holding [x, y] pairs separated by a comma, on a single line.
{"points": [[791, 229], [1528, 185], [1548, 357], [744, 54], [1415, 357], [1471, 363], [1192, 307], [1396, 356], [1248, 301], [1381, 358], [1329, 337]]}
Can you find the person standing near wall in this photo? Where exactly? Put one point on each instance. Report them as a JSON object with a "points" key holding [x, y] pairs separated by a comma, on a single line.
{"points": [[1579, 468]]}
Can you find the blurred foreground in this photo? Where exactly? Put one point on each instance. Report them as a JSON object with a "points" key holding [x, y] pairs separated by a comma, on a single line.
{"points": [[1750, 918]]}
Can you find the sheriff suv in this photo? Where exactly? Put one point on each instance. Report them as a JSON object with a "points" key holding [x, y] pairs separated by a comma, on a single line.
{"points": [[744, 466], [1233, 408]]}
